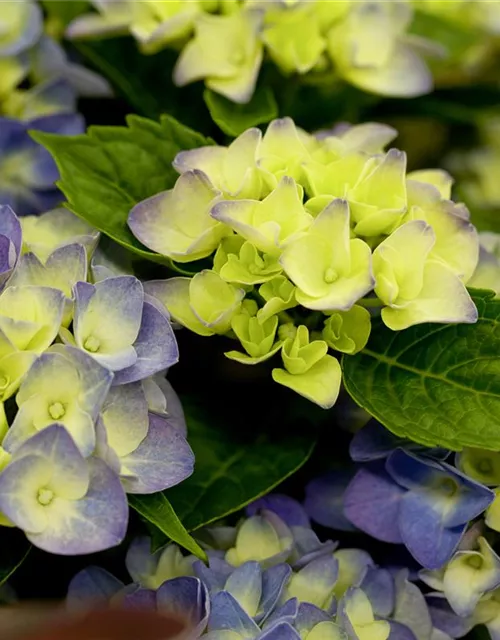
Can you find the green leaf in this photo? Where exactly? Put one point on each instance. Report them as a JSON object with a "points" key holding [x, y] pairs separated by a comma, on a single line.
{"points": [[158, 510], [438, 385], [234, 118], [14, 549], [106, 171], [145, 81], [234, 464]]}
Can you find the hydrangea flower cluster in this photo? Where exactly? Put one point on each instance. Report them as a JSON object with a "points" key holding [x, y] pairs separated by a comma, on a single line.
{"points": [[225, 42], [270, 578], [86, 412], [39, 87], [299, 234], [443, 511]]}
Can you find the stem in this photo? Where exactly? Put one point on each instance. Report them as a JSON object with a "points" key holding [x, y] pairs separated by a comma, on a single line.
{"points": [[370, 303]]}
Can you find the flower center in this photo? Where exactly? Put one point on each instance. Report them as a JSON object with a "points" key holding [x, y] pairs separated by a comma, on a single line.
{"points": [[92, 344], [476, 562], [448, 487], [45, 497], [57, 410], [237, 57], [330, 275], [4, 381], [484, 465]]}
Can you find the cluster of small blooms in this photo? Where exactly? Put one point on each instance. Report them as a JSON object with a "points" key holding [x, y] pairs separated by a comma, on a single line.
{"points": [[302, 233], [270, 578], [93, 416], [401, 493], [224, 42], [39, 87]]}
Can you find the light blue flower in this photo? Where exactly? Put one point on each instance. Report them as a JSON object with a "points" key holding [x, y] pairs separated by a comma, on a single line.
{"points": [[419, 502], [64, 503]]}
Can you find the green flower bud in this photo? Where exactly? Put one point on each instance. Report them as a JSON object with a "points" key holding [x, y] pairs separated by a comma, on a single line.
{"points": [[299, 355], [348, 331], [249, 266], [279, 294], [481, 465]]}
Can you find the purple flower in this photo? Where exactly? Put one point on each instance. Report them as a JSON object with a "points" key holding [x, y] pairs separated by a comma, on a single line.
{"points": [[421, 503], [64, 503], [184, 597], [92, 586], [256, 591], [324, 500], [228, 620], [375, 442], [289, 510], [161, 460], [27, 171], [10, 243], [123, 329]]}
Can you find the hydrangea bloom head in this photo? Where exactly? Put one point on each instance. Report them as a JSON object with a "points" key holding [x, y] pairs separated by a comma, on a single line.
{"points": [[301, 232], [226, 49]]}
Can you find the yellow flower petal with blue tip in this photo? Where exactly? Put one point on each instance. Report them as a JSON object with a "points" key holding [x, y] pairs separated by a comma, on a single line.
{"points": [[176, 223], [233, 169]]}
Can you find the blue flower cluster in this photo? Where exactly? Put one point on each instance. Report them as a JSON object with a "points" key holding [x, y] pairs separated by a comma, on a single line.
{"points": [[271, 577], [86, 414], [39, 88]]}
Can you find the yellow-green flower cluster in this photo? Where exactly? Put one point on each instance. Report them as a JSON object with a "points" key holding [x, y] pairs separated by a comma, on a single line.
{"points": [[224, 43], [300, 234]]}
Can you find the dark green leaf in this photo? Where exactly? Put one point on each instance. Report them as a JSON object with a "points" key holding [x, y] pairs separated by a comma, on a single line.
{"points": [[158, 510], [435, 384], [106, 171], [234, 466], [145, 81], [234, 118], [14, 549]]}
